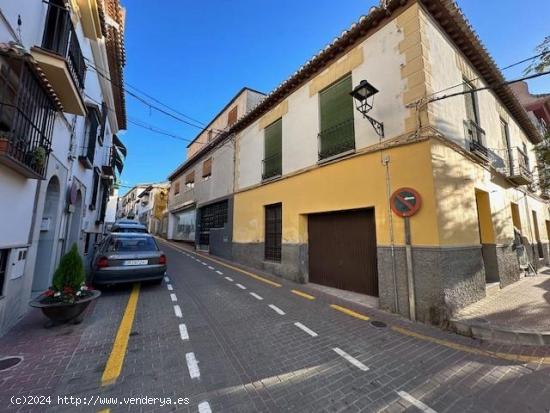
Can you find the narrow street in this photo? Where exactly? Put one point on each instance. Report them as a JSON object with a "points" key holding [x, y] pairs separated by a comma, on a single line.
{"points": [[235, 341]]}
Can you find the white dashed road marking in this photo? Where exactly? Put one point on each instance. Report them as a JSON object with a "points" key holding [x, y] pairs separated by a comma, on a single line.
{"points": [[204, 407], [276, 309], [169, 286], [210, 267], [416, 402], [307, 330], [177, 311], [193, 365], [351, 359], [183, 332], [229, 279], [173, 297], [204, 263], [167, 279], [242, 287], [256, 296], [219, 272]]}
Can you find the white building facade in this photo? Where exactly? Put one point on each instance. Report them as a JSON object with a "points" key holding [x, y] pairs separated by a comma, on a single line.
{"points": [[59, 149]]}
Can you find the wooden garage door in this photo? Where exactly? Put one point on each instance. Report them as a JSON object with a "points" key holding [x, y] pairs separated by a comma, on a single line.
{"points": [[342, 250]]}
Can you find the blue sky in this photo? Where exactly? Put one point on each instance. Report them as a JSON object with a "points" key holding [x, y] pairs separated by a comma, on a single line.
{"points": [[194, 56]]}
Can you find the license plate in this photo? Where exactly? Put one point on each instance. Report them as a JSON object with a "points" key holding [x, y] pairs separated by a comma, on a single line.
{"points": [[135, 262]]}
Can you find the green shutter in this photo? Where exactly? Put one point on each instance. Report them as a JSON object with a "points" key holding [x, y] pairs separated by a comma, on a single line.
{"points": [[336, 111], [273, 149]]}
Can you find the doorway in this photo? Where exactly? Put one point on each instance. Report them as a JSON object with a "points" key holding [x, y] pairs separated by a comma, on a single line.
{"points": [[46, 240], [487, 236]]}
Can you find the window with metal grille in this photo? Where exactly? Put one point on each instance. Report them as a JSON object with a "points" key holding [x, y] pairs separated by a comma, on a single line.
{"points": [[273, 231], [337, 133], [176, 188], [470, 99], [95, 189], [207, 168], [190, 180], [211, 216], [4, 254], [92, 125], [232, 116], [273, 150]]}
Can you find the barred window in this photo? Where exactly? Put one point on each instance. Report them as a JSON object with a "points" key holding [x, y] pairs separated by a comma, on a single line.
{"points": [[4, 254], [273, 231]]}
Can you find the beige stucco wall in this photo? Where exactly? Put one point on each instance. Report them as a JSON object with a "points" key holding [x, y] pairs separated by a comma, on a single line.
{"points": [[376, 59]]}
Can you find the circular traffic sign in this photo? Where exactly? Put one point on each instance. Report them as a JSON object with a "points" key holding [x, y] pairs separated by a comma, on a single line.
{"points": [[405, 202]]}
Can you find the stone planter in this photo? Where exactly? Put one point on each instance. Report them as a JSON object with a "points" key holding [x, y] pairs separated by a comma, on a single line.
{"points": [[59, 313]]}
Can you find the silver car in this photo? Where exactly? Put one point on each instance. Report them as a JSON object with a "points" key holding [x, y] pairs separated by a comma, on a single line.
{"points": [[129, 228], [128, 257]]}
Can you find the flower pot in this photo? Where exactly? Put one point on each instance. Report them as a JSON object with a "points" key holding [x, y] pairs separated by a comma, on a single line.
{"points": [[60, 313], [4, 144]]}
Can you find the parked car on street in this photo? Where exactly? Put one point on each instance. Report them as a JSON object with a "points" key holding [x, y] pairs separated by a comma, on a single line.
{"points": [[124, 227], [128, 257]]}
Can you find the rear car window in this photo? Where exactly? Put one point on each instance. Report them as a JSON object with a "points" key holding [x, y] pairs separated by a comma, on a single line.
{"points": [[131, 244], [135, 230]]}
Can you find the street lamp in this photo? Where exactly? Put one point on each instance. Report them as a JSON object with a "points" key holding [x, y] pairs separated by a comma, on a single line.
{"points": [[363, 94]]}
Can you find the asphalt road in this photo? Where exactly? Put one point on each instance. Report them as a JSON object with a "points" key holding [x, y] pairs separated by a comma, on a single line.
{"points": [[225, 341]]}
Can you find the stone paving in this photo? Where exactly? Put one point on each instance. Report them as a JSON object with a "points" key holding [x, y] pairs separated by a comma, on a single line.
{"points": [[261, 348]]}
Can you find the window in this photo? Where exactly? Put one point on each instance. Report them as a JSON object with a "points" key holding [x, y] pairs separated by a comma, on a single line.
{"points": [[210, 134], [104, 113], [232, 116], [470, 99], [92, 126], [176, 188], [190, 180], [87, 243], [130, 244], [4, 254], [207, 168], [273, 150], [337, 133], [273, 231], [95, 189]]}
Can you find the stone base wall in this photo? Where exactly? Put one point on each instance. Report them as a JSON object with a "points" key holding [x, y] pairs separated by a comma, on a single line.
{"points": [[445, 279], [293, 265], [508, 265]]}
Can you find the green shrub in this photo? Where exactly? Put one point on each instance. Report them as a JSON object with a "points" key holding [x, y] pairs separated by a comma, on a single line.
{"points": [[70, 272]]}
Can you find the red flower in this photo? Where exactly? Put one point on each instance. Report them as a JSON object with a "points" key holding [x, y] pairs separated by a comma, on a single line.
{"points": [[68, 290], [49, 293]]}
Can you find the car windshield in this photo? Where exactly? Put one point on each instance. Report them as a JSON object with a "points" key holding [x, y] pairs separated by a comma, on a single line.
{"points": [[129, 229], [123, 244]]}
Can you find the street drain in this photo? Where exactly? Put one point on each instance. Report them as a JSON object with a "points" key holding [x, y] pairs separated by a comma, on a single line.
{"points": [[378, 324], [9, 362]]}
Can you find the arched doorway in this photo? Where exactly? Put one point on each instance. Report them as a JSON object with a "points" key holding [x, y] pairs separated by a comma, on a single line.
{"points": [[47, 238], [76, 223]]}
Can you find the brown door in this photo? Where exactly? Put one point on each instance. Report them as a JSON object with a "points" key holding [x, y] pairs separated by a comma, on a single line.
{"points": [[342, 250]]}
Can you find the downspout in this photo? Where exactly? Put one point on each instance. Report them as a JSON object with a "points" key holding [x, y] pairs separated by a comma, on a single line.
{"points": [[386, 163]]}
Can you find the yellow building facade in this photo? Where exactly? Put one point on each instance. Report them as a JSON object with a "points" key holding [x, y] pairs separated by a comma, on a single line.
{"points": [[323, 215]]}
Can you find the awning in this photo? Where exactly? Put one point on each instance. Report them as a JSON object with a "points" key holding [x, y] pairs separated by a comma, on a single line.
{"points": [[120, 146]]}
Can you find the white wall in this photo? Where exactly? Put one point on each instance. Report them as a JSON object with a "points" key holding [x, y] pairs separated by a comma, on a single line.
{"points": [[300, 125]]}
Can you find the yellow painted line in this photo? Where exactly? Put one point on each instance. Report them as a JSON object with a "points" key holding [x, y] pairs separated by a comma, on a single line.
{"points": [[473, 350], [105, 411], [118, 352], [256, 277], [302, 294], [350, 312]]}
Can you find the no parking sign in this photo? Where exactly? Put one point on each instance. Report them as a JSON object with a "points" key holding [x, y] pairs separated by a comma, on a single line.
{"points": [[405, 202]]}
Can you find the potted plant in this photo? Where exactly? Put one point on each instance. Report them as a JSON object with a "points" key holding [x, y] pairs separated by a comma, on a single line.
{"points": [[68, 297], [38, 157]]}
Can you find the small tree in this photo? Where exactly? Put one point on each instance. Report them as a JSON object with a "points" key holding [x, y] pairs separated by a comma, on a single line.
{"points": [[542, 62], [70, 273]]}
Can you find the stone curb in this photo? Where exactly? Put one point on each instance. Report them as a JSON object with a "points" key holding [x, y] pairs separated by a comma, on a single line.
{"points": [[484, 331]]}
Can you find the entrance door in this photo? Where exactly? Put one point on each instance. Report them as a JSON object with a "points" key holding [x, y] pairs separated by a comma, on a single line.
{"points": [[342, 250], [487, 236]]}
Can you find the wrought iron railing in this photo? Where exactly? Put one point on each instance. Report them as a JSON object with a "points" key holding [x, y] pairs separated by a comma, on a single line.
{"points": [[271, 166], [60, 38], [513, 163], [27, 116], [337, 139]]}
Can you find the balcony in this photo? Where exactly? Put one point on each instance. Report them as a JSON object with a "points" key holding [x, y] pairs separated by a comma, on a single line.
{"points": [[27, 115], [271, 166], [181, 200], [514, 164], [337, 140], [475, 136], [61, 59]]}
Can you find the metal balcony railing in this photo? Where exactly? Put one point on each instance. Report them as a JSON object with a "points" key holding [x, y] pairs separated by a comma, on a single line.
{"points": [[476, 138], [27, 116], [60, 38], [271, 166], [337, 139], [513, 163]]}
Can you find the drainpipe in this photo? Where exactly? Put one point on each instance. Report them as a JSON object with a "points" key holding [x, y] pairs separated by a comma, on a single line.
{"points": [[386, 162]]}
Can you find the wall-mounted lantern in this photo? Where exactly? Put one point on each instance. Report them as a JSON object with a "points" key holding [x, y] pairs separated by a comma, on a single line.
{"points": [[363, 94]]}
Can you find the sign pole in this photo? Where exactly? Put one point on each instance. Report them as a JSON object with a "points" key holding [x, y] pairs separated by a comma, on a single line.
{"points": [[410, 273]]}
